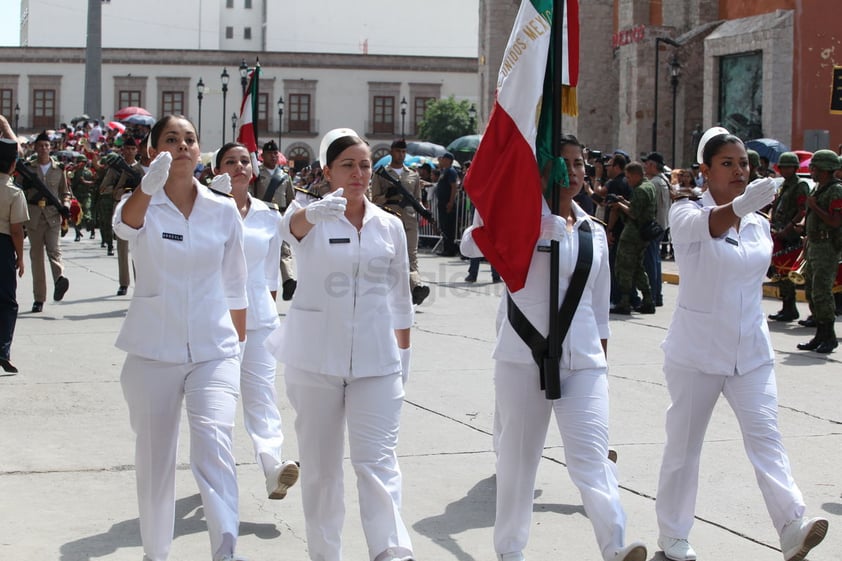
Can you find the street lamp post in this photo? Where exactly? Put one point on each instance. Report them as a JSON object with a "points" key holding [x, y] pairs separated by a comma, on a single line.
{"points": [[200, 93], [17, 118], [280, 120], [675, 73], [472, 113], [658, 41], [225, 78], [233, 127], [403, 117], [244, 75]]}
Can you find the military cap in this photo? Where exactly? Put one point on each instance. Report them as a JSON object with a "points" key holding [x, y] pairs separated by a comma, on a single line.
{"points": [[788, 159], [399, 143], [826, 160], [270, 146], [42, 136], [753, 158]]}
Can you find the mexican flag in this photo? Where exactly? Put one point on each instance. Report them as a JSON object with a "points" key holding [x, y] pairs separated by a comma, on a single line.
{"points": [[247, 134], [504, 181]]}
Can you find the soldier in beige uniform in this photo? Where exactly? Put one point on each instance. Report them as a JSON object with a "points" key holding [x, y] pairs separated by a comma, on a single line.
{"points": [[13, 214], [44, 224], [274, 186], [385, 194]]}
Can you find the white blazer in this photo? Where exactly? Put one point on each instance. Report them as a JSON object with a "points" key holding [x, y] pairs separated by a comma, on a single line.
{"points": [[582, 348], [718, 326], [353, 292], [190, 273], [262, 244]]}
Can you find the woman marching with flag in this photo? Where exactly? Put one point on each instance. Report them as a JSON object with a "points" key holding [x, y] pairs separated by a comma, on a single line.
{"points": [[546, 254]]}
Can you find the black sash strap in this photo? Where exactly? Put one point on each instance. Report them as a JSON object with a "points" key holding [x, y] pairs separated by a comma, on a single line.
{"points": [[537, 343], [277, 177]]}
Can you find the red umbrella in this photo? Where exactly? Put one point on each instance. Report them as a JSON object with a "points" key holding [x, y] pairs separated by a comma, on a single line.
{"points": [[804, 158], [117, 126], [126, 112]]}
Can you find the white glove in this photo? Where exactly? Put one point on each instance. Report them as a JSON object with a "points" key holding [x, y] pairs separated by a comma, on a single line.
{"points": [[157, 174], [330, 207], [242, 349], [221, 183], [757, 195], [405, 355]]}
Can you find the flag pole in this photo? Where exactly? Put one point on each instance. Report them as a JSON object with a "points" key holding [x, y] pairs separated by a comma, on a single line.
{"points": [[256, 103], [552, 371]]}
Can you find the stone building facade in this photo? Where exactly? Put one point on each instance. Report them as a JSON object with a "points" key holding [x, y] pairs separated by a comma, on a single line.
{"points": [[760, 67]]}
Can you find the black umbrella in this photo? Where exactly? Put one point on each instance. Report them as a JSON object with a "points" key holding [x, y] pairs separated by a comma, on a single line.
{"points": [[428, 149], [82, 117]]}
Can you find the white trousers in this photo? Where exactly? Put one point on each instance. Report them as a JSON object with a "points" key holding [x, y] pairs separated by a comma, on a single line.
{"points": [[260, 408], [754, 398], [522, 418], [371, 408], [154, 392]]}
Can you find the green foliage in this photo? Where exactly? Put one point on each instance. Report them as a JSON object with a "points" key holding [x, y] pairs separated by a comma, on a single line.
{"points": [[446, 120]]}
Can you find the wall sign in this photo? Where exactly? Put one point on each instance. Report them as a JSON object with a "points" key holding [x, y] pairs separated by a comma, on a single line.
{"points": [[629, 36]]}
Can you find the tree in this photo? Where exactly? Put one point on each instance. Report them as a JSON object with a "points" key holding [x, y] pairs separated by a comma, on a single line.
{"points": [[446, 120]]}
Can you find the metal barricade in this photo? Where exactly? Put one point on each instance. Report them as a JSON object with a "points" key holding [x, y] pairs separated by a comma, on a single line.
{"points": [[464, 218]]}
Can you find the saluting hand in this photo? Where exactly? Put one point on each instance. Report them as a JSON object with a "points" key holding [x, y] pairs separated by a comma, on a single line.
{"points": [[157, 175], [330, 207], [757, 195], [221, 183]]}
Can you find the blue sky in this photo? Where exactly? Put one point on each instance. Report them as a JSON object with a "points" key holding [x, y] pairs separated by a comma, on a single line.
{"points": [[9, 23]]}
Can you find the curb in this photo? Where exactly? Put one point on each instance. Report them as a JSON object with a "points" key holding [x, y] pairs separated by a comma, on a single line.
{"points": [[770, 290]]}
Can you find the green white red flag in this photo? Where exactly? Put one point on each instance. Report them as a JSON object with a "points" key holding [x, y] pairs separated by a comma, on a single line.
{"points": [[247, 133], [504, 181]]}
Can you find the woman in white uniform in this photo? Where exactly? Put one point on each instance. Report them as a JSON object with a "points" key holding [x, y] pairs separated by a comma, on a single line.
{"points": [[182, 333], [522, 409], [345, 344], [722, 248], [262, 243]]}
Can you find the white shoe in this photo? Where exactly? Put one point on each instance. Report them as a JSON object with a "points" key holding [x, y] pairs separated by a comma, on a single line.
{"points": [[514, 556], [281, 478], [634, 551], [677, 549], [800, 536]]}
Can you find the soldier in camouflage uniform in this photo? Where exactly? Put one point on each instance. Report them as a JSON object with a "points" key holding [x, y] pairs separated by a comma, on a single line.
{"points": [[81, 183], [787, 212], [637, 212], [824, 248]]}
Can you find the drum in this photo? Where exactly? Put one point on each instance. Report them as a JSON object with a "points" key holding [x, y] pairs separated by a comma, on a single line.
{"points": [[785, 259]]}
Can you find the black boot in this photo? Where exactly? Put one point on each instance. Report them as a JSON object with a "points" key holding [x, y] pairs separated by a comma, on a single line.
{"points": [[789, 312], [814, 342], [828, 342], [809, 322]]}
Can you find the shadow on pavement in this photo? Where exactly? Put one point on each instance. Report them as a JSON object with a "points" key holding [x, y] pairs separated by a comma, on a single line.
{"points": [[189, 519], [476, 510]]}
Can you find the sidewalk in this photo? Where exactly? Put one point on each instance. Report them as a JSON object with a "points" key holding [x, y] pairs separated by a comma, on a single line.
{"points": [[66, 449]]}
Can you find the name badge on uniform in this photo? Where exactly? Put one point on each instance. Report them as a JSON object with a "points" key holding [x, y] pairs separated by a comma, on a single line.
{"points": [[339, 240], [732, 241], [174, 237]]}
